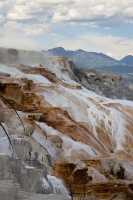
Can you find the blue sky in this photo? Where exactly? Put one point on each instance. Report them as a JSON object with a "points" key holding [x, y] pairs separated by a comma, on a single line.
{"points": [[93, 25]]}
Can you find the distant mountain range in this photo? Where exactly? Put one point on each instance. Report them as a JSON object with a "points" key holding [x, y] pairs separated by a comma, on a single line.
{"points": [[100, 61], [128, 60]]}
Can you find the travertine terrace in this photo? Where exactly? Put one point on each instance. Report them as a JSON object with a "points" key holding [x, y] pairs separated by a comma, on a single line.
{"points": [[72, 137]]}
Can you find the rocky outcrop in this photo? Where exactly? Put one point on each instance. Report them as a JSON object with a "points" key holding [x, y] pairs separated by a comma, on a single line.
{"points": [[104, 83], [11, 191], [29, 174], [97, 178]]}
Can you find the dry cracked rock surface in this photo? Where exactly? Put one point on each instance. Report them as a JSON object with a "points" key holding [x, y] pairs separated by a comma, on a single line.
{"points": [[59, 140], [104, 83]]}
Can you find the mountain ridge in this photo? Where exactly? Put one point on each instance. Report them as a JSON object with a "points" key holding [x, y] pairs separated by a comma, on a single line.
{"points": [[101, 61], [128, 59]]}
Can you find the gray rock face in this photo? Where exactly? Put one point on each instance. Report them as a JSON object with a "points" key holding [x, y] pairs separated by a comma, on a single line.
{"points": [[56, 140], [48, 197], [103, 83], [11, 191], [22, 168], [7, 190], [22, 148], [22, 176], [29, 174], [5, 166]]}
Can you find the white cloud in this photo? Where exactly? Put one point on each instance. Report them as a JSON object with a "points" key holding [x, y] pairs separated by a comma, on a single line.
{"points": [[72, 14], [98, 12], [14, 38], [20, 36], [24, 30], [31, 11], [35, 29], [50, 2], [22, 13], [2, 20]]}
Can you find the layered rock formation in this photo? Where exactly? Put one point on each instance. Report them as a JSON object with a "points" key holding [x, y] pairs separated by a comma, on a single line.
{"points": [[104, 83], [73, 143]]}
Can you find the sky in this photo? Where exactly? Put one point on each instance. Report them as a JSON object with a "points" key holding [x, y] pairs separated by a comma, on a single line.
{"points": [[93, 25]]}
